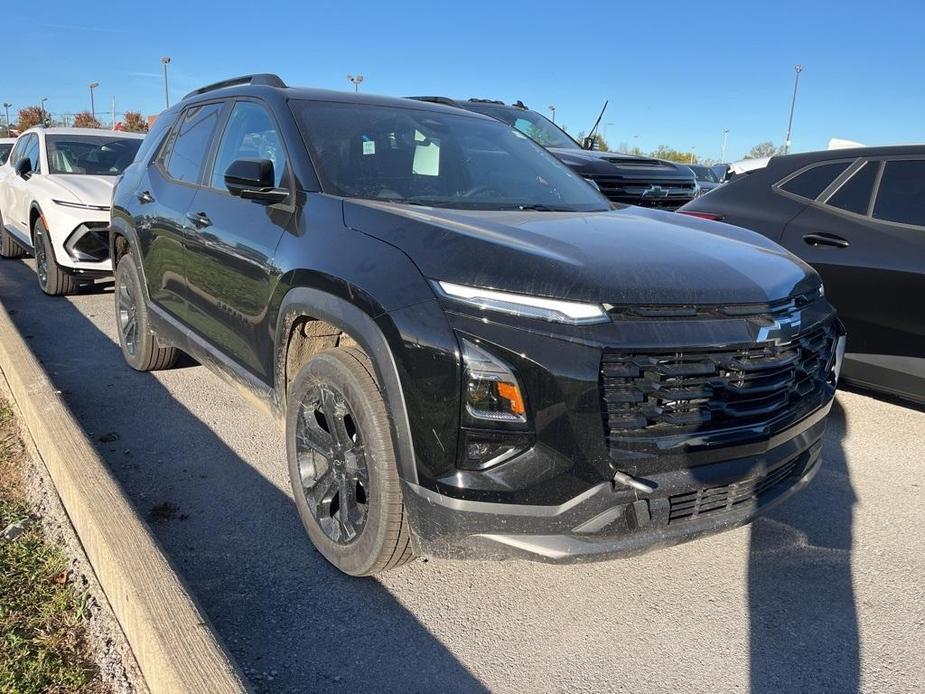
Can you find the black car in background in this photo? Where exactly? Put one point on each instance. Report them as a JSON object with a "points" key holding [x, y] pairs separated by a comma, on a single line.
{"points": [[622, 178], [858, 217], [474, 353]]}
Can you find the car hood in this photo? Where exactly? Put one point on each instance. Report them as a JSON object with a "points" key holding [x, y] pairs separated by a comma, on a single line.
{"points": [[89, 190], [627, 256], [589, 162]]}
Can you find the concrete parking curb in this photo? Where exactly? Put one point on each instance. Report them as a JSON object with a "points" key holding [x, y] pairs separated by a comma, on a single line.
{"points": [[173, 642]]}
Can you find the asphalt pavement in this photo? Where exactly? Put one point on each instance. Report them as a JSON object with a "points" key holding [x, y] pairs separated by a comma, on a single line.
{"points": [[827, 594]]}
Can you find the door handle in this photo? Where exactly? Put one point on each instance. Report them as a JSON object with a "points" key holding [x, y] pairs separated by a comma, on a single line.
{"points": [[199, 219], [144, 197], [819, 239]]}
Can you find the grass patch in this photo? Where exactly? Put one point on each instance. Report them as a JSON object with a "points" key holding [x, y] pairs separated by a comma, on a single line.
{"points": [[43, 644]]}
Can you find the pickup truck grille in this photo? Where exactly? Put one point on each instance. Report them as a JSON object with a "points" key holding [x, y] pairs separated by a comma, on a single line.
{"points": [[647, 193], [706, 390]]}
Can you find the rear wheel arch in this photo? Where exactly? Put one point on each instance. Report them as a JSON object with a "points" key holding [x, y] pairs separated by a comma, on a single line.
{"points": [[310, 321]]}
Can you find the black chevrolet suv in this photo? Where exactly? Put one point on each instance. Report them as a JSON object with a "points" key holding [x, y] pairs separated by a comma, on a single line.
{"points": [[622, 178], [474, 354]]}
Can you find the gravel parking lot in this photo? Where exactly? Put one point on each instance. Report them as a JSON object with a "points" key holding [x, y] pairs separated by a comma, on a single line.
{"points": [[825, 594]]}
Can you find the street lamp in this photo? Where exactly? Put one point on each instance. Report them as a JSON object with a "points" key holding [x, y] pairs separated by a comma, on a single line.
{"points": [[553, 109], [692, 153], [44, 117], [93, 85], [165, 60], [722, 157], [6, 107], [356, 81], [793, 102]]}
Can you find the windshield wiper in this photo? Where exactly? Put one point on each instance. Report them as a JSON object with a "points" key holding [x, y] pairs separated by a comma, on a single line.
{"points": [[544, 208]]}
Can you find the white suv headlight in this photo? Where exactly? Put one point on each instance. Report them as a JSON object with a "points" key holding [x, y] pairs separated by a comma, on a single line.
{"points": [[553, 310]]}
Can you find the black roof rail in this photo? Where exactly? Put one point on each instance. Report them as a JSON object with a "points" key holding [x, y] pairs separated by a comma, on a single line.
{"points": [[445, 100], [264, 78], [487, 101]]}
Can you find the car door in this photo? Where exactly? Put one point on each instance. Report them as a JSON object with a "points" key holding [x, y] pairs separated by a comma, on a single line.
{"points": [[16, 212], [164, 197], [6, 184], [230, 270], [865, 234]]}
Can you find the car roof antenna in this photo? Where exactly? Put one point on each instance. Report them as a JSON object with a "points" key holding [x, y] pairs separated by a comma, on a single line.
{"points": [[590, 137]]}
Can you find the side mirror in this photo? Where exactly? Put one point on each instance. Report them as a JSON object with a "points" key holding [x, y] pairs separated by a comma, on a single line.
{"points": [[253, 179], [589, 143], [24, 167]]}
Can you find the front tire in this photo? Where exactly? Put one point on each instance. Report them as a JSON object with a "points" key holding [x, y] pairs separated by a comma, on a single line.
{"points": [[136, 336], [53, 280], [342, 464]]}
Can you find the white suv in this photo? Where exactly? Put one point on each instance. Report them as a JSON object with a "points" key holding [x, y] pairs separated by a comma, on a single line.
{"points": [[55, 192]]}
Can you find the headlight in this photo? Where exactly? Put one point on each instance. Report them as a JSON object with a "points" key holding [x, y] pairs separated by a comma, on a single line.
{"points": [[82, 206], [552, 310], [492, 391]]}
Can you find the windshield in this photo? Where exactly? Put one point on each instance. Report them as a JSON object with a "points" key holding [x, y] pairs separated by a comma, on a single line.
{"points": [[96, 155], [530, 123], [425, 157], [5, 148], [704, 173]]}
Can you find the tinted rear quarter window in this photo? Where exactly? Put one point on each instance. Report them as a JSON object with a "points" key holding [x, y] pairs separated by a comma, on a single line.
{"points": [[812, 182], [901, 196], [191, 144], [854, 194]]}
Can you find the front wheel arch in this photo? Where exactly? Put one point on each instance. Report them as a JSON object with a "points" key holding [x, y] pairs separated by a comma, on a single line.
{"points": [[305, 302]]}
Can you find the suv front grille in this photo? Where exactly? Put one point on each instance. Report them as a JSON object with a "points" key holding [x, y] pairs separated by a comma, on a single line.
{"points": [[700, 502], [707, 390]]}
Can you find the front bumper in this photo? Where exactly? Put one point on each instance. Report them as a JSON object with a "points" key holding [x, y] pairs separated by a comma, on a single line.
{"points": [[607, 521]]}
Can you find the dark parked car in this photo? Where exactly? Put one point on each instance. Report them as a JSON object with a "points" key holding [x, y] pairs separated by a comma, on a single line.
{"points": [[622, 178], [474, 354], [858, 217]]}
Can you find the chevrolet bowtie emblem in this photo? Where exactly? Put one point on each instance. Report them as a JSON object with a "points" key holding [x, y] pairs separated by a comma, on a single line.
{"points": [[781, 329]]}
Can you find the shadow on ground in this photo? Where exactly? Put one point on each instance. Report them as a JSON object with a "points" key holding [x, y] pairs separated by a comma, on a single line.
{"points": [[224, 525], [803, 619]]}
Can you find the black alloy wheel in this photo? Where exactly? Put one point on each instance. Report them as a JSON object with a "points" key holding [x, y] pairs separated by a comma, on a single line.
{"points": [[332, 464]]}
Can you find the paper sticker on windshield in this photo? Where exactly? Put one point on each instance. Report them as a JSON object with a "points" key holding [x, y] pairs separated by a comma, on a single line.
{"points": [[369, 147]]}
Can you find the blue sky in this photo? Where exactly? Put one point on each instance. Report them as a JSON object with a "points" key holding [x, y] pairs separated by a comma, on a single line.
{"points": [[675, 73]]}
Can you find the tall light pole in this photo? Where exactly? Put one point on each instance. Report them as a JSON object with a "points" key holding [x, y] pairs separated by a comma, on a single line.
{"points": [[793, 102], [93, 85], [553, 110], [44, 99], [165, 60], [722, 157], [356, 81], [692, 153], [6, 107]]}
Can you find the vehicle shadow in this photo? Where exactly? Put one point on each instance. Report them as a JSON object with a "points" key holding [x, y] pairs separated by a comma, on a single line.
{"points": [[803, 619], [293, 622]]}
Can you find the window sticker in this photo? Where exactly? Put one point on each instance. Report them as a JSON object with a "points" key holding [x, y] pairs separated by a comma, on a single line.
{"points": [[369, 147]]}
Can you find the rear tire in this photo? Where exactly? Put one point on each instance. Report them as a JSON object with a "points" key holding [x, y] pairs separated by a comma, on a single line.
{"points": [[8, 247], [137, 338], [52, 279], [342, 464]]}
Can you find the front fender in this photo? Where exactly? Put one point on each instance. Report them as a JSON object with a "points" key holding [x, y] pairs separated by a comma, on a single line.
{"points": [[305, 301]]}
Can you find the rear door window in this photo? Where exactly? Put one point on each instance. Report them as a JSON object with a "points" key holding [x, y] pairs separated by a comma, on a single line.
{"points": [[813, 181], [190, 146], [901, 195], [854, 194]]}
